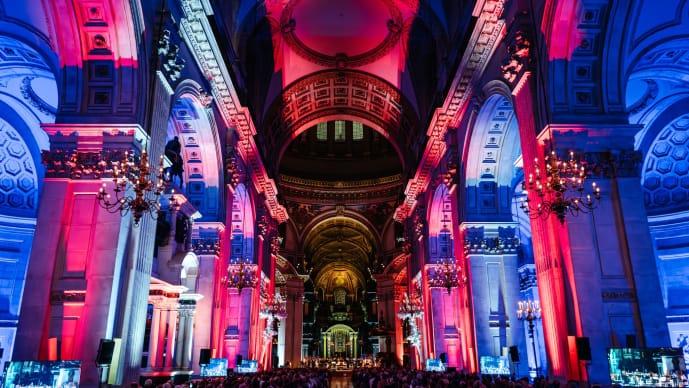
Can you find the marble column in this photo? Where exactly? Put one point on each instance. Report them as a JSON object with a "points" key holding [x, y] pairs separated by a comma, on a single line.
{"points": [[154, 336], [133, 322], [187, 310], [545, 237], [160, 339], [184, 314], [171, 336]]}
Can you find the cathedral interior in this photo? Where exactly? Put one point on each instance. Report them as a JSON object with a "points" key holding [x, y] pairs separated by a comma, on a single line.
{"points": [[338, 184]]}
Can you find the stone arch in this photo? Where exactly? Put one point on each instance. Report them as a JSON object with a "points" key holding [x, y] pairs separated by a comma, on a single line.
{"points": [[357, 217], [94, 44], [656, 98], [196, 130], [189, 272], [490, 162], [27, 100], [342, 95]]}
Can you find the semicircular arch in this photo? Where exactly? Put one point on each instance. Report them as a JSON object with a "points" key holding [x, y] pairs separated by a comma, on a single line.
{"points": [[201, 157], [340, 94]]}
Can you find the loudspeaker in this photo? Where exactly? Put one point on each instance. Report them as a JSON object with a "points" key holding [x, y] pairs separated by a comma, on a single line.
{"points": [[205, 357], [443, 358], [239, 360], [583, 349], [514, 354], [631, 340], [105, 349]]}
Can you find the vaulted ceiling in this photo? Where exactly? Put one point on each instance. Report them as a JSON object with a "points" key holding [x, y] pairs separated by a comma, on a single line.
{"points": [[342, 94]]}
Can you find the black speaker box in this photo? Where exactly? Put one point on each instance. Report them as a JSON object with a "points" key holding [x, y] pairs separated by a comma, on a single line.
{"points": [[105, 349], [239, 360], [443, 358], [583, 348], [514, 354], [205, 357]]}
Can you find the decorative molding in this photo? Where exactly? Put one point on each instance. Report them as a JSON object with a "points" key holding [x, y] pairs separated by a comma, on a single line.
{"points": [[34, 100], [518, 55], [621, 164], [197, 32], [527, 277], [206, 246], [159, 292], [328, 93], [18, 178], [484, 40], [476, 241]]}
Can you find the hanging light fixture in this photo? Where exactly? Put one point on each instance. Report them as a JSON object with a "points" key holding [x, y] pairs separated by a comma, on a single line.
{"points": [[275, 306], [241, 274], [560, 190], [274, 309], [411, 308], [443, 274], [137, 189]]}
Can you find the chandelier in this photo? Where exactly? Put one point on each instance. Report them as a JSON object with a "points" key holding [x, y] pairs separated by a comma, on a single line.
{"points": [[443, 274], [136, 189], [274, 306], [560, 191], [241, 274], [528, 310], [410, 309], [275, 309]]}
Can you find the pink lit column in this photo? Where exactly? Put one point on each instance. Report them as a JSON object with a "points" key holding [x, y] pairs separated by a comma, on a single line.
{"points": [[171, 336], [154, 349], [546, 242]]}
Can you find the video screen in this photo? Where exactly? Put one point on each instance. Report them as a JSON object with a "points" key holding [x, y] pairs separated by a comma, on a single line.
{"points": [[248, 366], [434, 365], [494, 365], [216, 368], [44, 374], [649, 367]]}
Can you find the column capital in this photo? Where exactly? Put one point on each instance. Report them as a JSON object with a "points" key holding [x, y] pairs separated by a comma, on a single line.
{"points": [[527, 277], [490, 238], [591, 137], [96, 137]]}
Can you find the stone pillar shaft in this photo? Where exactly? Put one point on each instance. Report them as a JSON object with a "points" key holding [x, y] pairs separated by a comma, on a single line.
{"points": [[154, 337], [171, 335]]}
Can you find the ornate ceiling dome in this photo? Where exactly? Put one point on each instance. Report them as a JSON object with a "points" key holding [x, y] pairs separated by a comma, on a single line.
{"points": [[330, 33]]}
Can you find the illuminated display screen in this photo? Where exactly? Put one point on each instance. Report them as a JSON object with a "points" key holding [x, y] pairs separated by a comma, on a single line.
{"points": [[648, 367]]}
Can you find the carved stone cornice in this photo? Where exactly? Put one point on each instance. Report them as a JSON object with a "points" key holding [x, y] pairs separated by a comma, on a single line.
{"points": [[622, 164], [483, 42], [166, 294], [499, 240], [206, 246], [197, 32], [90, 151], [370, 190]]}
